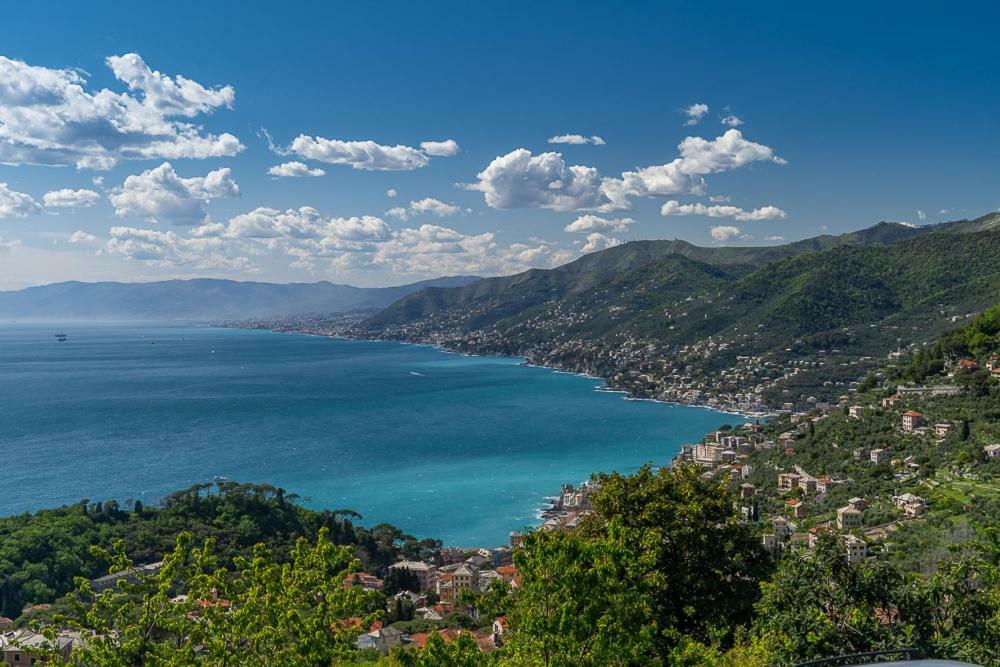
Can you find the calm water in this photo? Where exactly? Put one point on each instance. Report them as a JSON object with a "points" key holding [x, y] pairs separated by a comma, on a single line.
{"points": [[460, 448]]}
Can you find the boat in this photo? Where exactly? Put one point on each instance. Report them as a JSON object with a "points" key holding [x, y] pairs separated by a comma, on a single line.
{"points": [[61, 337]]}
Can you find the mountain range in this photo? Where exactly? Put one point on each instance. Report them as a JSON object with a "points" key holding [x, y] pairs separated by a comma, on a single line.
{"points": [[201, 299], [658, 316]]}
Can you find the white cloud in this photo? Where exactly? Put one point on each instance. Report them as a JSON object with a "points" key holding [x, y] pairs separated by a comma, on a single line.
{"points": [[921, 215], [576, 139], [67, 198], [369, 155], [47, 116], [83, 238], [391, 193], [723, 233], [294, 169], [168, 249], [694, 113], [674, 207], [719, 199], [445, 148], [593, 223], [160, 194], [15, 204], [598, 241], [774, 238], [426, 205], [522, 180], [731, 121]]}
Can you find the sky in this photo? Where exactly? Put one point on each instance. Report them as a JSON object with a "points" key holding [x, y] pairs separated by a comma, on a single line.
{"points": [[378, 143]]}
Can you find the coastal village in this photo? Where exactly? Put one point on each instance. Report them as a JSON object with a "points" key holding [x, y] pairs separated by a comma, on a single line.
{"points": [[798, 475]]}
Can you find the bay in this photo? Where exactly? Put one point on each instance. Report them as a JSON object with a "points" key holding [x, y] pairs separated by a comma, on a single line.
{"points": [[459, 448]]}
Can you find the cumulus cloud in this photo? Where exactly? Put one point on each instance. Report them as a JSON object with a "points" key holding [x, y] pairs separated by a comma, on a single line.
{"points": [[522, 180], [369, 155], [391, 193], [15, 204], [673, 207], [168, 249], [430, 205], [576, 139], [593, 223], [161, 195], [68, 198], [294, 169], [597, 241], [731, 121], [445, 148], [83, 238], [694, 113], [48, 117], [722, 233], [921, 215]]}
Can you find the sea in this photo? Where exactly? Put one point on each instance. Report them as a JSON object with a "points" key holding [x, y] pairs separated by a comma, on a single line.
{"points": [[460, 448]]}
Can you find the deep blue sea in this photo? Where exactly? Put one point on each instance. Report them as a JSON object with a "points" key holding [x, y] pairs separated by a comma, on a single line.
{"points": [[460, 448]]}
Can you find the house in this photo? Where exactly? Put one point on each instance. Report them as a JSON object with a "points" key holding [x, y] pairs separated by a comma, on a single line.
{"points": [[782, 529], [856, 411], [993, 366], [363, 579], [879, 456], [823, 484], [942, 429], [515, 538], [912, 420], [19, 647], [807, 484], [857, 549], [748, 490], [425, 572], [772, 543], [860, 454], [484, 641], [857, 503], [382, 639], [815, 533], [796, 507], [891, 401], [992, 451], [848, 518], [967, 365], [910, 504], [788, 481], [5, 624]]}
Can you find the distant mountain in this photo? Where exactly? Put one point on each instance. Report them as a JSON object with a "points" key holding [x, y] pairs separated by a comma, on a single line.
{"points": [[201, 299]]}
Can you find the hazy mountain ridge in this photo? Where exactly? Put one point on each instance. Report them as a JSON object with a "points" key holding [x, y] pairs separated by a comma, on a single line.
{"points": [[201, 299]]}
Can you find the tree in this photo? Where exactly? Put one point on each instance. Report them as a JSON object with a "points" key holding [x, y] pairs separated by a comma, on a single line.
{"points": [[264, 613], [700, 566], [575, 605]]}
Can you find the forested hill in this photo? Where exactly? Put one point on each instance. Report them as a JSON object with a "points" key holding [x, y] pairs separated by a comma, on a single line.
{"points": [[651, 308], [201, 299]]}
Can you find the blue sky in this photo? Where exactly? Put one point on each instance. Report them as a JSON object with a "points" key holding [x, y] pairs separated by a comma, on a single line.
{"points": [[845, 118]]}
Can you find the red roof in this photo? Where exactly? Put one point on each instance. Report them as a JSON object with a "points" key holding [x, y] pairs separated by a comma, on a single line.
{"points": [[911, 413]]}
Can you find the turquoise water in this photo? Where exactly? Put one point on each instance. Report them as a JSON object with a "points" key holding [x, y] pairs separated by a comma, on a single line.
{"points": [[459, 448]]}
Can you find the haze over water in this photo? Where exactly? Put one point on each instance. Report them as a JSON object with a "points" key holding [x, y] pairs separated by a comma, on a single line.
{"points": [[459, 448]]}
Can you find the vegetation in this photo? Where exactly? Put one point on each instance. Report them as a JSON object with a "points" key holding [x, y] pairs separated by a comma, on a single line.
{"points": [[41, 554]]}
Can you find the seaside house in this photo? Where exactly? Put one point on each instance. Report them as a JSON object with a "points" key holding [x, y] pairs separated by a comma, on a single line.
{"points": [[796, 507], [879, 456], [425, 572], [856, 411], [992, 451], [891, 401]]}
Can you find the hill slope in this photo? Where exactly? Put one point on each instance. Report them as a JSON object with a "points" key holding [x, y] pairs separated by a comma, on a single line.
{"points": [[679, 322]]}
